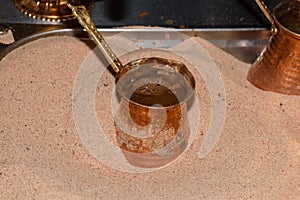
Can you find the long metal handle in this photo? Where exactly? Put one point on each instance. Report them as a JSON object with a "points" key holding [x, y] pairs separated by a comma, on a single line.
{"points": [[268, 14], [84, 19], [265, 10]]}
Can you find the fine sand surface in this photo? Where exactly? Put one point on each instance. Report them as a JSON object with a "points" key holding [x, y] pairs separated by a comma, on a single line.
{"points": [[7, 38], [42, 156]]}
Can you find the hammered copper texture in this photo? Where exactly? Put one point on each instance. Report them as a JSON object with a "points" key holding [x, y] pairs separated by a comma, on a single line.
{"points": [[278, 67]]}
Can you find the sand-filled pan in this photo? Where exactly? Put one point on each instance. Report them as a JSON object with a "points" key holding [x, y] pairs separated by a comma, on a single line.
{"points": [[53, 91]]}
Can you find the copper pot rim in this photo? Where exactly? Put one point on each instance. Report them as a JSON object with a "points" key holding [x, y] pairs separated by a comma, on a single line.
{"points": [[187, 98], [286, 30], [280, 26]]}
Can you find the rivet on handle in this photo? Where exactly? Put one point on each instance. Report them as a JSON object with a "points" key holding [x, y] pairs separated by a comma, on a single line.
{"points": [[268, 14]]}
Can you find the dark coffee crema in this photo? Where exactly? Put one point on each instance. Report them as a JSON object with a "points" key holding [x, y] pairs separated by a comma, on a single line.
{"points": [[154, 95]]}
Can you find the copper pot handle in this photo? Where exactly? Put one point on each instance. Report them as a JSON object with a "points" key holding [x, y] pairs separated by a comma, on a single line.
{"points": [[267, 13]]}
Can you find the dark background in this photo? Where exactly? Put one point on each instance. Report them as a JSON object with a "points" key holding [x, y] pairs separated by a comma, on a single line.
{"points": [[166, 13]]}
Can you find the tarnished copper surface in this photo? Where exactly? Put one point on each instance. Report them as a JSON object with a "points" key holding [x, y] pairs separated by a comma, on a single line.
{"points": [[49, 10], [151, 124], [175, 124], [277, 69]]}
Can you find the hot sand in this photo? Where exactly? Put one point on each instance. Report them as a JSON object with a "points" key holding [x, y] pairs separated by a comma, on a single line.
{"points": [[42, 157]]}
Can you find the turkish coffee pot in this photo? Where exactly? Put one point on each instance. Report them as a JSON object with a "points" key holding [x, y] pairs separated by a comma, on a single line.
{"points": [[277, 69]]}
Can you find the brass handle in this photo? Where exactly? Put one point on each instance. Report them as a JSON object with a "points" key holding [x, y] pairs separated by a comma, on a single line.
{"points": [[84, 19], [268, 14]]}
